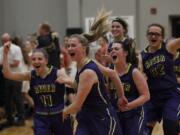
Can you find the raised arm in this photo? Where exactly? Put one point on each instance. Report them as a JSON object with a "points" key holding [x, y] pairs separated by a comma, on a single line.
{"points": [[112, 74], [173, 45], [6, 69]]}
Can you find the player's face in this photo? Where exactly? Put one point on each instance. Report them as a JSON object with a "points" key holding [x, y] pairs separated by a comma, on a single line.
{"points": [[39, 61], [154, 36], [117, 53], [75, 49], [117, 30]]}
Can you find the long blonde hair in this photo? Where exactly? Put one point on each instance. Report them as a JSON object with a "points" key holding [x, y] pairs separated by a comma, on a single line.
{"points": [[99, 27]]}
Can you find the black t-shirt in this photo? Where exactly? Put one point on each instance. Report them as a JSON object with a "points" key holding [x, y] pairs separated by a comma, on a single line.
{"points": [[50, 43]]}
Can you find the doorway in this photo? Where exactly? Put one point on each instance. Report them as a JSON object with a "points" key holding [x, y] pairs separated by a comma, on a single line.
{"points": [[175, 26]]}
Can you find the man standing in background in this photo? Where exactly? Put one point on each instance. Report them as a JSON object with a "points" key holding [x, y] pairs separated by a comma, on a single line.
{"points": [[12, 89], [48, 40]]}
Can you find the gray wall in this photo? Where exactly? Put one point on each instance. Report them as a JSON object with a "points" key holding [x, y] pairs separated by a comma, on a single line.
{"points": [[1, 18], [118, 8], [90, 7], [73, 13], [22, 17], [164, 9], [141, 11]]}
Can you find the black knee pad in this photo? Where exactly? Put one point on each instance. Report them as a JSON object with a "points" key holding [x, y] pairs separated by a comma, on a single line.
{"points": [[171, 127]]}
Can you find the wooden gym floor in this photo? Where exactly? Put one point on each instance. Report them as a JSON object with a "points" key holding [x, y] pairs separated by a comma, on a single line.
{"points": [[27, 130]]}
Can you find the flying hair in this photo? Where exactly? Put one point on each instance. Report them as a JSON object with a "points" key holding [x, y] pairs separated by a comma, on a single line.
{"points": [[99, 27]]}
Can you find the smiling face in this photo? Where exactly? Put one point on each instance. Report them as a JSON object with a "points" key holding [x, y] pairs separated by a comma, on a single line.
{"points": [[75, 49], [117, 53], [117, 30], [154, 36], [39, 61]]}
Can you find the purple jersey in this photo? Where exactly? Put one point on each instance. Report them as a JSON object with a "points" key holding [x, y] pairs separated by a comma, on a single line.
{"points": [[129, 86], [97, 98], [132, 121], [165, 99], [130, 89], [97, 116], [159, 68], [48, 95]]}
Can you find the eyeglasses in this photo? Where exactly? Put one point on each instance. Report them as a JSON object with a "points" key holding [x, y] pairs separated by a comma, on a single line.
{"points": [[114, 48], [154, 34]]}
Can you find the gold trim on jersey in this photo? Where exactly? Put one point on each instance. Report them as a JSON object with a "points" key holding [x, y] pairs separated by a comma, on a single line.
{"points": [[128, 68], [146, 50], [75, 85], [112, 123], [141, 120], [178, 110], [85, 61], [176, 56], [47, 72], [100, 94]]}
